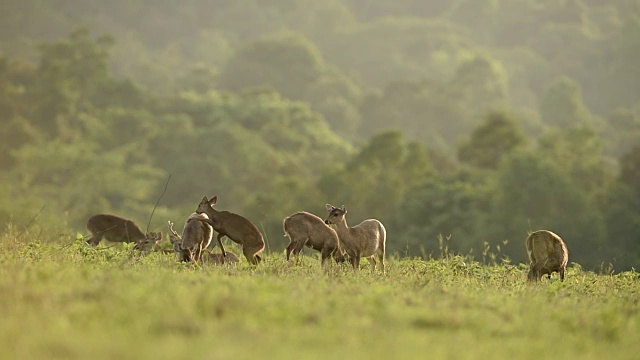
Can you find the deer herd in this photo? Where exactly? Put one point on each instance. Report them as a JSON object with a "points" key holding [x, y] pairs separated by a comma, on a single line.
{"points": [[547, 251]]}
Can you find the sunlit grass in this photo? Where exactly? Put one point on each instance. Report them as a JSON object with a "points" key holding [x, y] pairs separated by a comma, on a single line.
{"points": [[67, 300]]}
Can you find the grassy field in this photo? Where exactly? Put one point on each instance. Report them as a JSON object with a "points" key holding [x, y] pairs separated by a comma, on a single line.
{"points": [[70, 301]]}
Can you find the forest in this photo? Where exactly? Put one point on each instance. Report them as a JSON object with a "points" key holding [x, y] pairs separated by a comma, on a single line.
{"points": [[468, 123]]}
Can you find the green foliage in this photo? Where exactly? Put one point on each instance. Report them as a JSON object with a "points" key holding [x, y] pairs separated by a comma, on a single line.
{"points": [[288, 62], [81, 178], [630, 172], [96, 123], [481, 83], [624, 128], [446, 206], [533, 193], [562, 104], [579, 152], [621, 207], [496, 137], [373, 182]]}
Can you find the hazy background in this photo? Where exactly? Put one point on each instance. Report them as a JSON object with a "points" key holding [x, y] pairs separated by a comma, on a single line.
{"points": [[478, 120]]}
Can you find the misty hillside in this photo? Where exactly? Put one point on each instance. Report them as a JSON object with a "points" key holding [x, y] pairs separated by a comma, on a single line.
{"points": [[477, 120]]}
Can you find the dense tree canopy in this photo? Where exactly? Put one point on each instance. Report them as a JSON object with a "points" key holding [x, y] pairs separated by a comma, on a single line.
{"points": [[474, 120]]}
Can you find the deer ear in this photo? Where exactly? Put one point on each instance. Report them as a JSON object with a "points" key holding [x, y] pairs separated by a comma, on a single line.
{"points": [[213, 200], [344, 209], [329, 207]]}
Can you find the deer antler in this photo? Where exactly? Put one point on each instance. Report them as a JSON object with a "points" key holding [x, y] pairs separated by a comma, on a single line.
{"points": [[171, 229]]}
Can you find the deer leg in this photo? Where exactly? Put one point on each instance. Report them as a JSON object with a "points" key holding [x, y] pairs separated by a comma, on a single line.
{"points": [[382, 264], [562, 274], [298, 248], [198, 253], [372, 260], [325, 255], [251, 255], [355, 261], [224, 252], [290, 249]]}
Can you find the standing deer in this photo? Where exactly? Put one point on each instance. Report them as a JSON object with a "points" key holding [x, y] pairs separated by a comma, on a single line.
{"points": [[117, 229], [206, 256], [366, 239], [196, 236], [237, 228], [306, 229], [547, 254]]}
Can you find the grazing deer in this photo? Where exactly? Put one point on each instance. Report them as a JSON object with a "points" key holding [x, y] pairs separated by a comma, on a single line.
{"points": [[237, 228], [149, 244], [220, 259], [306, 229], [366, 239], [196, 236], [547, 254], [117, 229], [206, 256]]}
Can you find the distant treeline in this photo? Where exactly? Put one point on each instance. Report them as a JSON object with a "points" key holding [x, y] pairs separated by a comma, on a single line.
{"points": [[475, 120]]}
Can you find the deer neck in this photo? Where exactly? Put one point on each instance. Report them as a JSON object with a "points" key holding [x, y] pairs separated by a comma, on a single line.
{"points": [[215, 217], [343, 229]]}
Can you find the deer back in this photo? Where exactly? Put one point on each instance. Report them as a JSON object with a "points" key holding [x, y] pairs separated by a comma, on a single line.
{"points": [[547, 250], [115, 228], [236, 227], [369, 236], [196, 232], [306, 226]]}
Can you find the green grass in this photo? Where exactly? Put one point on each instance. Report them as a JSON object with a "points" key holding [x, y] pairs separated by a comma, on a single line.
{"points": [[71, 301]]}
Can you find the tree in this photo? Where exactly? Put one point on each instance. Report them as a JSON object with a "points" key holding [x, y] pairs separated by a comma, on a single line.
{"points": [[624, 130], [373, 182], [630, 168], [425, 110], [495, 137], [621, 207], [623, 78], [70, 74], [72, 175], [287, 62], [448, 205], [562, 105], [532, 193], [482, 84], [579, 153]]}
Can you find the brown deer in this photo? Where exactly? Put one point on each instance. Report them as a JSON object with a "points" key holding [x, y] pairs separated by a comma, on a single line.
{"points": [[237, 228], [117, 229], [206, 256], [366, 239], [547, 254], [196, 236], [148, 245], [306, 229], [220, 259]]}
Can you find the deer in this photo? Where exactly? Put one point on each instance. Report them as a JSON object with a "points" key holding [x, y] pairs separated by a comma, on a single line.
{"points": [[547, 254], [148, 245], [196, 236], [367, 239], [117, 229], [206, 256], [236, 227], [306, 229]]}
